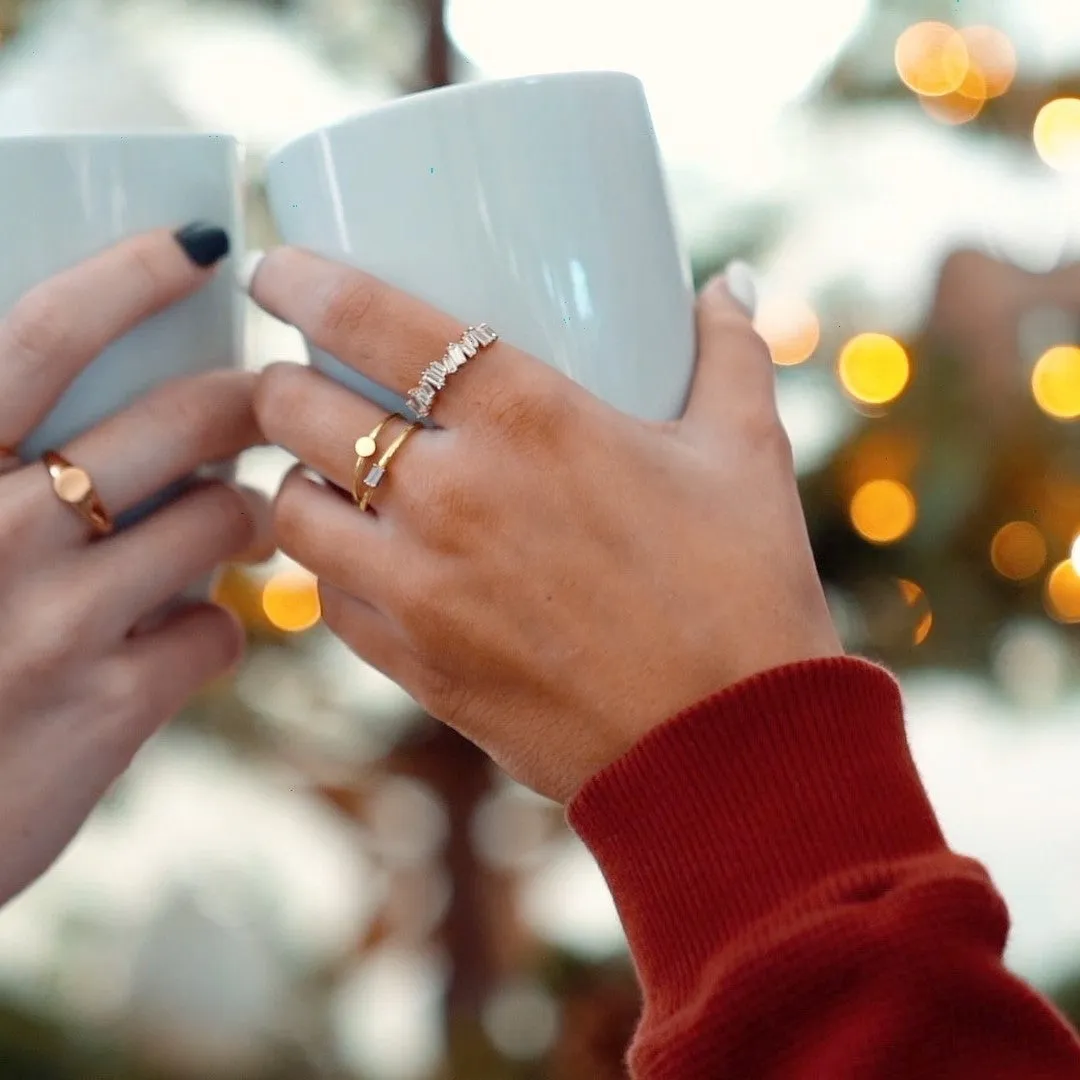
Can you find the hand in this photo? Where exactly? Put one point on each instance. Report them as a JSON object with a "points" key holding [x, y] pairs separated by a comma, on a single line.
{"points": [[79, 693], [545, 574]]}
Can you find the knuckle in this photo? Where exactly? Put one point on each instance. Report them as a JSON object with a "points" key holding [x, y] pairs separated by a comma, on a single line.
{"points": [[120, 690], [275, 396], [348, 307], [37, 327], [50, 638], [530, 416]]}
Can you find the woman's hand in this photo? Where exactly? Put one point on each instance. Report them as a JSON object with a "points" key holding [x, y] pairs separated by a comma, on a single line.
{"points": [[545, 574], [79, 693]]}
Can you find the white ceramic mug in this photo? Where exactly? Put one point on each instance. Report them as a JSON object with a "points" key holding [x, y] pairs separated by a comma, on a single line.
{"points": [[537, 205], [67, 197]]}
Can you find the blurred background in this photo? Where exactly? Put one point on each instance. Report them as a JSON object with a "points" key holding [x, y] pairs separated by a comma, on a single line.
{"points": [[304, 877]]}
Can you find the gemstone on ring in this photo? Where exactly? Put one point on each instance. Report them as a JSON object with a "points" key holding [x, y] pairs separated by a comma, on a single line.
{"points": [[434, 376], [374, 476], [365, 446]]}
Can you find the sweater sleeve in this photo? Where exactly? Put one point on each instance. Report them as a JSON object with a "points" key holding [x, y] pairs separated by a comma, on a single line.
{"points": [[792, 908]]}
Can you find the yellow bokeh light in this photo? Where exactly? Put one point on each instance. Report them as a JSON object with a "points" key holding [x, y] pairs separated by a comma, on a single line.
{"points": [[1063, 593], [789, 327], [963, 104], [931, 58], [1055, 382], [1074, 554], [1057, 134], [874, 368], [291, 601], [991, 55], [1018, 551], [883, 511]]}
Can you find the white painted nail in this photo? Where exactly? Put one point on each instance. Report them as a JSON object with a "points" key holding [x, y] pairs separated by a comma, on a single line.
{"points": [[246, 272], [741, 285]]}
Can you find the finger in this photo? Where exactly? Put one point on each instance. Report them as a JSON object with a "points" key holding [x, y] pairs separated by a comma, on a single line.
{"points": [[391, 337], [337, 542], [58, 327], [734, 368], [158, 441], [319, 422], [153, 562], [367, 631], [153, 675]]}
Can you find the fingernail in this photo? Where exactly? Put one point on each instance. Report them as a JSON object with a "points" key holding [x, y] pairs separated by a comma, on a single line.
{"points": [[203, 244], [245, 275], [740, 282]]}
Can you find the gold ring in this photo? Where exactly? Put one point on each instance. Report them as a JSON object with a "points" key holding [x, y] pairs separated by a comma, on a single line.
{"points": [[74, 487], [365, 450], [378, 471]]}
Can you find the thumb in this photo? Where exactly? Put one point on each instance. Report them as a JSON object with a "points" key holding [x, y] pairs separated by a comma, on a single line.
{"points": [[734, 367]]}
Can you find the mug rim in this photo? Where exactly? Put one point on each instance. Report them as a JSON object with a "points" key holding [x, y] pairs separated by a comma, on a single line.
{"points": [[459, 89], [54, 137]]}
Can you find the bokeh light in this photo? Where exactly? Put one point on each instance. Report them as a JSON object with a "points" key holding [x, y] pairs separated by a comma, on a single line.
{"points": [[963, 104], [1055, 382], [290, 600], [883, 511], [1018, 551], [991, 58], [790, 327], [1057, 134], [874, 368], [915, 597], [931, 58], [1074, 554], [1062, 595]]}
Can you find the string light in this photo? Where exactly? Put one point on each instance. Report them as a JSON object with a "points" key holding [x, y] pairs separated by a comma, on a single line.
{"points": [[883, 511], [874, 368], [931, 58], [1057, 134], [290, 601], [1062, 597], [1055, 382]]}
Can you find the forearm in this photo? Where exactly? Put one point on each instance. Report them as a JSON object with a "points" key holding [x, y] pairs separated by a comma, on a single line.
{"points": [[791, 905]]}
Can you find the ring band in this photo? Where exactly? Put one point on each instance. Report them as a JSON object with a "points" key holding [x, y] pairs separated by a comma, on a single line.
{"points": [[365, 450], [375, 475], [458, 353], [74, 487]]}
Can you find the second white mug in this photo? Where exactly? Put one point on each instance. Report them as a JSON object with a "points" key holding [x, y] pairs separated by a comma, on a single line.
{"points": [[537, 205]]}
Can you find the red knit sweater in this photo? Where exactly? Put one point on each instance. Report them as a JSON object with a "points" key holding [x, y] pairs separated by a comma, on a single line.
{"points": [[791, 906]]}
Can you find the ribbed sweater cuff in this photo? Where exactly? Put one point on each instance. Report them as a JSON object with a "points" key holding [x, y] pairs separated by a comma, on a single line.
{"points": [[736, 806]]}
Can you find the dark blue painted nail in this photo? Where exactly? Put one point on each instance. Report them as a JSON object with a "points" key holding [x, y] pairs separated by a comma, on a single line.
{"points": [[203, 244]]}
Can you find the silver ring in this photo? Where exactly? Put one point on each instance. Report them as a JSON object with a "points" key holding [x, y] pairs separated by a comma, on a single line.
{"points": [[422, 396]]}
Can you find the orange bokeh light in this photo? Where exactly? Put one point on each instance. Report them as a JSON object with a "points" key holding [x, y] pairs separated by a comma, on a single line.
{"points": [[932, 58], [1018, 551], [883, 511], [992, 59], [290, 601], [1062, 595]]}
